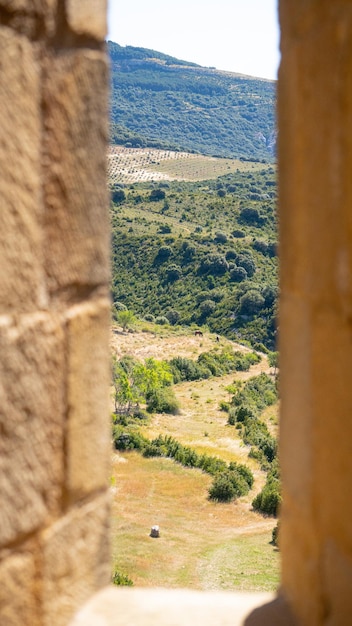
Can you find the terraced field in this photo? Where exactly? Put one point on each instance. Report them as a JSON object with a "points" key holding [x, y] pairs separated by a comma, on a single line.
{"points": [[132, 165]]}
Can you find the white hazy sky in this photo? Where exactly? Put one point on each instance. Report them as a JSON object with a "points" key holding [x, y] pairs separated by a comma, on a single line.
{"points": [[235, 35]]}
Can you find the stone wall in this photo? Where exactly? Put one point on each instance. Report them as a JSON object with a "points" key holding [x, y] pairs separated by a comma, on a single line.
{"points": [[54, 309], [315, 121]]}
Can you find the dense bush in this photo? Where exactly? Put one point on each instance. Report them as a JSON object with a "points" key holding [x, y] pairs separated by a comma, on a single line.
{"points": [[161, 320], [120, 579], [173, 272], [128, 439], [215, 363], [207, 307], [156, 195], [251, 302], [238, 274], [214, 264], [250, 216], [118, 195], [269, 499], [232, 483], [173, 316], [162, 400]]}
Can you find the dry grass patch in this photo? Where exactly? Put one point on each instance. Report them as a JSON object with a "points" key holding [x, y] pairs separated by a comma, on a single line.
{"points": [[193, 529], [203, 544]]}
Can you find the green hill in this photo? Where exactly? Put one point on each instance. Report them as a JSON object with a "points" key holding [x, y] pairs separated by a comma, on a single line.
{"points": [[161, 101], [201, 252]]}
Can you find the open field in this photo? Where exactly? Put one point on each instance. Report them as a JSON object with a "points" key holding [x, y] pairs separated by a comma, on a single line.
{"points": [[203, 544], [131, 165]]}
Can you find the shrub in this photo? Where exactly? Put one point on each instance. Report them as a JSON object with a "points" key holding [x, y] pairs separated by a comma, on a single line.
{"points": [[260, 245], [246, 261], [250, 216], [236, 481], [156, 195], [164, 229], [162, 401], [220, 237], [231, 254], [173, 316], [207, 307], [173, 272], [128, 439], [149, 317], [214, 264], [161, 320], [222, 489], [163, 253], [238, 274], [239, 234], [118, 196], [269, 499], [121, 579], [251, 302]]}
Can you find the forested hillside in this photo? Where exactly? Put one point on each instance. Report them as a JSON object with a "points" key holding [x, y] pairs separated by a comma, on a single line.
{"points": [[160, 101], [201, 252]]}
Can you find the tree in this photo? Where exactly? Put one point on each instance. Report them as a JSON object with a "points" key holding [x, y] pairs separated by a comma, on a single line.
{"points": [[173, 272], [135, 382], [251, 302], [207, 307], [273, 358], [173, 316], [125, 318], [238, 274], [156, 195], [118, 195]]}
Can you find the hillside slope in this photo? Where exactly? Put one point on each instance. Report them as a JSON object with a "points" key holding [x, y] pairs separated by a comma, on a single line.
{"points": [[160, 101], [202, 253]]}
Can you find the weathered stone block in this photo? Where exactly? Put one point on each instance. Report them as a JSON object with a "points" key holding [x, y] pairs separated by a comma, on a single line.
{"points": [[88, 17], [88, 429], [21, 209], [75, 190], [30, 16], [76, 560], [31, 423], [17, 597]]}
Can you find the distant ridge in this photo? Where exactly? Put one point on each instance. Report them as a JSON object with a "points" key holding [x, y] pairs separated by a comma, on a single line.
{"points": [[160, 101]]}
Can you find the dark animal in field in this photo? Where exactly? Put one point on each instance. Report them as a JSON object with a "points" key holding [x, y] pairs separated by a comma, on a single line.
{"points": [[198, 333]]}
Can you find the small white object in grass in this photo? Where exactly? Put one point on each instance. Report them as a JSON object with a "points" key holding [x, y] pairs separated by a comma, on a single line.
{"points": [[154, 531]]}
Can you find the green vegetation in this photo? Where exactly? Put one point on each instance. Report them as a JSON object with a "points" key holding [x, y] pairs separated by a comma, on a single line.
{"points": [[162, 102], [230, 481], [135, 382], [120, 579], [180, 258], [214, 363], [248, 401]]}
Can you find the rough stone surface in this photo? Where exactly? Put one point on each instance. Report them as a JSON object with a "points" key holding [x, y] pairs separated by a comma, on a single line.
{"points": [[21, 208], [75, 191], [17, 596], [315, 155], [150, 607], [171, 607], [88, 17], [31, 17], [75, 556], [31, 423], [88, 431]]}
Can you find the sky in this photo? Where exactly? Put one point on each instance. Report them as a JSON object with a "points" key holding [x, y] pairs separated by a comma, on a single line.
{"points": [[235, 35]]}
